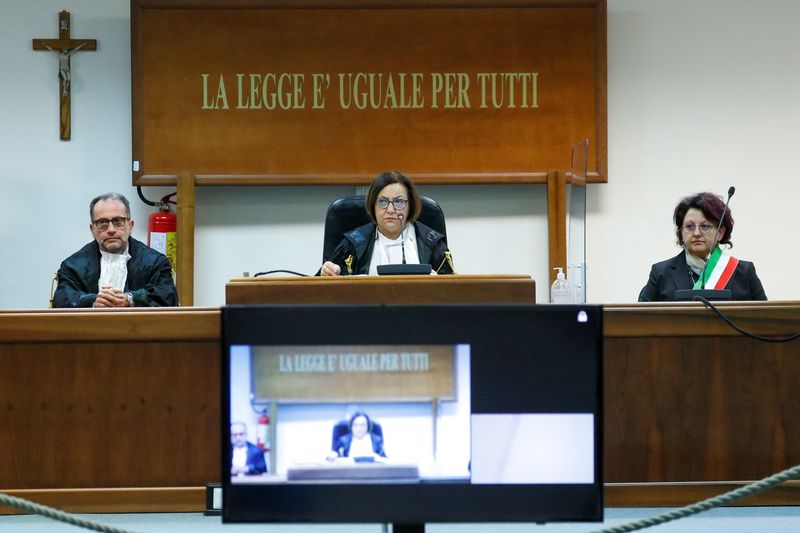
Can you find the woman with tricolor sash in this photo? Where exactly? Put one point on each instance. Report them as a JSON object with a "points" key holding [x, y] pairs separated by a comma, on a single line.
{"points": [[697, 219]]}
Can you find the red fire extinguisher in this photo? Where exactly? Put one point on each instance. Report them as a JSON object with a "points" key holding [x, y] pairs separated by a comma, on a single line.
{"points": [[161, 230], [262, 431]]}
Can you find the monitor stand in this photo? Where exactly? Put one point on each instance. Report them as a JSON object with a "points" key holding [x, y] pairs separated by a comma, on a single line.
{"points": [[408, 528]]}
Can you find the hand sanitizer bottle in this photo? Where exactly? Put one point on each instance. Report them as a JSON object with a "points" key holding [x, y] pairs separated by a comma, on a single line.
{"points": [[560, 292]]}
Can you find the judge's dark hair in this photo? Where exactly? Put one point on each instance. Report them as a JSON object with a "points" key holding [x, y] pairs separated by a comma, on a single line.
{"points": [[387, 178], [712, 207], [356, 415], [109, 196]]}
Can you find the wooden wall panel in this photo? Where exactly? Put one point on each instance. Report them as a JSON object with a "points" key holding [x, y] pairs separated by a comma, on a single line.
{"points": [[97, 411], [700, 409], [105, 415], [689, 399], [128, 400], [205, 100]]}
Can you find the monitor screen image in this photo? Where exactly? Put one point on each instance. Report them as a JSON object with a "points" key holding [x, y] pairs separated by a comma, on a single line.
{"points": [[411, 414]]}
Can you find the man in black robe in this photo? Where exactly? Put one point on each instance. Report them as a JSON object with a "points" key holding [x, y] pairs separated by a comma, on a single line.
{"points": [[114, 270]]}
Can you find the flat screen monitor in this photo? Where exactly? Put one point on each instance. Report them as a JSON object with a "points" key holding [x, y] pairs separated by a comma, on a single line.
{"points": [[412, 414]]}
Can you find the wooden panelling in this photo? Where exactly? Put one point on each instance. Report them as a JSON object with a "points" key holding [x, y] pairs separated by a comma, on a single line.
{"points": [[382, 290], [556, 224], [192, 499], [681, 494], [184, 270], [134, 325], [126, 402], [699, 408], [692, 319], [687, 398], [99, 400], [365, 86], [127, 500]]}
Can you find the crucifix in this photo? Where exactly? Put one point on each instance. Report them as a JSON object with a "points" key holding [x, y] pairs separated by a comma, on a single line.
{"points": [[63, 48]]}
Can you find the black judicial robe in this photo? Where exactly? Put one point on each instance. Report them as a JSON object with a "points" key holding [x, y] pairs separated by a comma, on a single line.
{"points": [[149, 277], [358, 244]]}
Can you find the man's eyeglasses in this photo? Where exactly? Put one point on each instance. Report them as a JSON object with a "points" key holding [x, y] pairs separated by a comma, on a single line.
{"points": [[705, 227], [398, 203], [102, 223]]}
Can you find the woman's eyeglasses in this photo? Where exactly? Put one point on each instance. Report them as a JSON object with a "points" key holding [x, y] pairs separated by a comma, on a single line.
{"points": [[398, 203], [705, 227]]}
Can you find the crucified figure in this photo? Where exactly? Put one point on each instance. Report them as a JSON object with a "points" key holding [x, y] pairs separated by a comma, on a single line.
{"points": [[63, 64], [63, 47]]}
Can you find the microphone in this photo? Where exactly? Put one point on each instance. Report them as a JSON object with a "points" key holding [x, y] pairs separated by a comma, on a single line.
{"points": [[702, 292], [731, 190], [405, 267], [402, 235]]}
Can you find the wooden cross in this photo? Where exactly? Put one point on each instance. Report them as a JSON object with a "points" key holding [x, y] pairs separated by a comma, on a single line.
{"points": [[64, 47]]}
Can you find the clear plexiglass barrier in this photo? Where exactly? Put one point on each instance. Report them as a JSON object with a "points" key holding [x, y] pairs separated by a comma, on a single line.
{"points": [[576, 223]]}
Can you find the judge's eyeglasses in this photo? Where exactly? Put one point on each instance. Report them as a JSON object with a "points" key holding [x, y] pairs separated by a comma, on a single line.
{"points": [[398, 203], [102, 223]]}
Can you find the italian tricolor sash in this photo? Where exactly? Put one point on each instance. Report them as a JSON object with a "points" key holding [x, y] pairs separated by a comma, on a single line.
{"points": [[719, 270]]}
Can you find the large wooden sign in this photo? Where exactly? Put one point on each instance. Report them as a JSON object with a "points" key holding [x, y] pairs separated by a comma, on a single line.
{"points": [[334, 91]]}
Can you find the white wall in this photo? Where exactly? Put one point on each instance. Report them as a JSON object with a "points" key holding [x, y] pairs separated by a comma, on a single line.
{"points": [[701, 95]]}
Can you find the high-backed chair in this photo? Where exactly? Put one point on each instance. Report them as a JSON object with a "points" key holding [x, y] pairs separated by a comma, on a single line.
{"points": [[342, 428], [348, 213]]}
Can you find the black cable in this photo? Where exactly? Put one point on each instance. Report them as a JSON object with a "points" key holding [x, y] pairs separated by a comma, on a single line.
{"points": [[280, 271], [148, 202], [740, 330], [141, 195], [164, 200]]}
